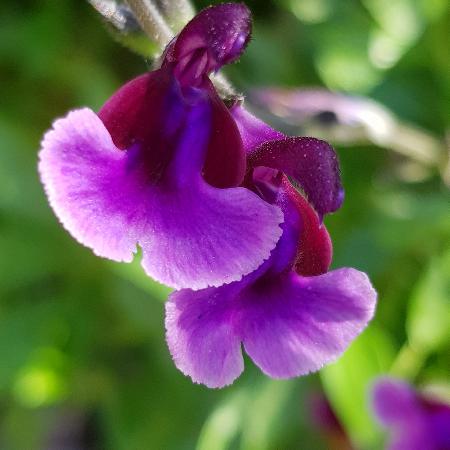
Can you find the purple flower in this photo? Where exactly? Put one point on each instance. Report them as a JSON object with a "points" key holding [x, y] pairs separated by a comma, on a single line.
{"points": [[290, 315], [416, 421], [161, 164]]}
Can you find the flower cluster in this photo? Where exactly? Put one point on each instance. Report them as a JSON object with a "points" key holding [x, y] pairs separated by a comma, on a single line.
{"points": [[226, 210]]}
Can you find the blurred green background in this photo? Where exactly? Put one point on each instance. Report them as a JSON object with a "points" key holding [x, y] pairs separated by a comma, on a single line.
{"points": [[83, 361]]}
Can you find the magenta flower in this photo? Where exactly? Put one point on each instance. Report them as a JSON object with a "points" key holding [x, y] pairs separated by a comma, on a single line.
{"points": [[290, 315], [416, 421], [161, 164]]}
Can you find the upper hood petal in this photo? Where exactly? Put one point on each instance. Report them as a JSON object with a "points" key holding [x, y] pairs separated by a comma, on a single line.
{"points": [[310, 163], [216, 36]]}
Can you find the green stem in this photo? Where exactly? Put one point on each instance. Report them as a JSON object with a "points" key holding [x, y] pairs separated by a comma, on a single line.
{"points": [[151, 21]]}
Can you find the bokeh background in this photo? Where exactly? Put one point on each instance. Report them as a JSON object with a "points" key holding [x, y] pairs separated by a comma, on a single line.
{"points": [[83, 361]]}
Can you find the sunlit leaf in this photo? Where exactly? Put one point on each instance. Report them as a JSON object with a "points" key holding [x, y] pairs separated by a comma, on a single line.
{"points": [[265, 411], [347, 383], [428, 321], [224, 423]]}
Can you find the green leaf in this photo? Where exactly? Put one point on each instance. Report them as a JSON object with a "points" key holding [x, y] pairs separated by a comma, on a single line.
{"points": [[265, 410], [224, 423], [348, 381], [134, 273], [428, 320]]}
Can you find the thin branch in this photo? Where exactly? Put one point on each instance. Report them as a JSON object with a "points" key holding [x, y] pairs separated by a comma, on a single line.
{"points": [[111, 11], [151, 21], [353, 120], [176, 12]]}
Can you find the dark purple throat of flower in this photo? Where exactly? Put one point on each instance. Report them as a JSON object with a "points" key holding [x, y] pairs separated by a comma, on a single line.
{"points": [[150, 111], [305, 245]]}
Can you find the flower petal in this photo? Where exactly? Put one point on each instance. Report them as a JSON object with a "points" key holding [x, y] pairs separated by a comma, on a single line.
{"points": [[140, 109], [440, 425], [200, 335], [191, 234], [311, 163], [254, 131], [214, 37], [394, 401], [225, 163], [315, 250], [291, 326]]}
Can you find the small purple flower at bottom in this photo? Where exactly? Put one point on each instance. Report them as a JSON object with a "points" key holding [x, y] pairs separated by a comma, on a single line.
{"points": [[290, 316], [416, 421], [160, 167]]}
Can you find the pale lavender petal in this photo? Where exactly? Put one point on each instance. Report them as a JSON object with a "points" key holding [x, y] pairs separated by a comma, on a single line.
{"points": [[190, 233], [77, 163], [201, 337], [254, 131], [291, 325]]}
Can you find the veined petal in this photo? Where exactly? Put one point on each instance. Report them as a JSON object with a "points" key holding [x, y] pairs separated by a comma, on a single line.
{"points": [[289, 325], [292, 325], [200, 335], [309, 162], [214, 37], [192, 235]]}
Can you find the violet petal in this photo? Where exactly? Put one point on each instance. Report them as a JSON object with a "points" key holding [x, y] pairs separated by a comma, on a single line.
{"points": [[311, 163], [291, 325], [191, 234], [215, 36], [200, 335], [394, 401], [254, 131]]}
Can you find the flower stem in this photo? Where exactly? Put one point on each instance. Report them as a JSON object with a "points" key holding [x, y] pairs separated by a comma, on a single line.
{"points": [[110, 11], [151, 21], [176, 12]]}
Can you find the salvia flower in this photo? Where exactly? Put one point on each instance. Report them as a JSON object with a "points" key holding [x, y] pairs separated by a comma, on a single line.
{"points": [[212, 196], [161, 164], [290, 315], [416, 421]]}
